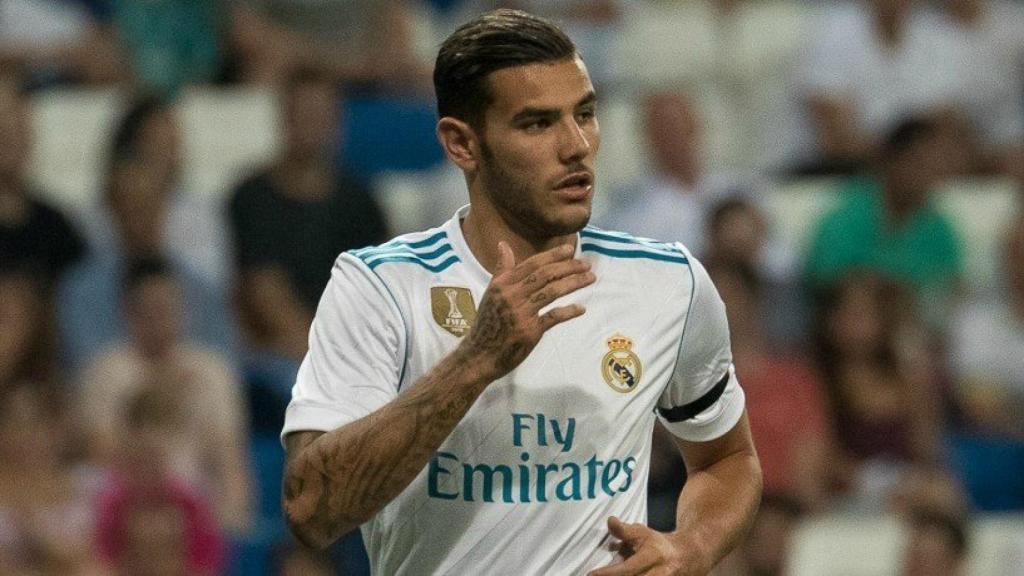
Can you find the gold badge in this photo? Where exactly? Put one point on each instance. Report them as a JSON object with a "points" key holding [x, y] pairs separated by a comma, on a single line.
{"points": [[620, 366], [453, 308]]}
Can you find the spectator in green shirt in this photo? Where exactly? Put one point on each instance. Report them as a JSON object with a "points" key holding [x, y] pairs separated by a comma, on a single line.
{"points": [[887, 222], [172, 43]]}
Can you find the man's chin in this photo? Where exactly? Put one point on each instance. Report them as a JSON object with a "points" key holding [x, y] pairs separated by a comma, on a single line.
{"points": [[571, 220]]}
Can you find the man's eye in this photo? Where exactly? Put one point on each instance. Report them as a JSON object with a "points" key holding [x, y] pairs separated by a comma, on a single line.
{"points": [[539, 124], [586, 115]]}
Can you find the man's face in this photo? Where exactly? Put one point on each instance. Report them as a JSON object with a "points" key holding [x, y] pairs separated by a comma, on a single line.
{"points": [[161, 146], [538, 144], [311, 119], [673, 132]]}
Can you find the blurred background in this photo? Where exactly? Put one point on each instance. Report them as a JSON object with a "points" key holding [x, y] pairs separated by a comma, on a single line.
{"points": [[177, 176]]}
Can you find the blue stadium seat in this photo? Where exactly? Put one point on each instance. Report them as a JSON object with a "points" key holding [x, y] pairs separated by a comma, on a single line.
{"points": [[385, 134], [990, 469]]}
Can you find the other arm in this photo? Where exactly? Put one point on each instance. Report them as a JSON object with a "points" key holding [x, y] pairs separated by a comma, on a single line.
{"points": [[716, 507]]}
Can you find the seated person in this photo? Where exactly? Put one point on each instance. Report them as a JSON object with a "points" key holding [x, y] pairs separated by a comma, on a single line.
{"points": [[204, 410]]}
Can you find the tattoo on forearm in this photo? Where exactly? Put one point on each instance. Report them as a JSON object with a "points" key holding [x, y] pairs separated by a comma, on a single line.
{"points": [[342, 482]]}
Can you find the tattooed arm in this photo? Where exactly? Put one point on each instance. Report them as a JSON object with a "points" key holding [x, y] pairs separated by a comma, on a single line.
{"points": [[335, 481]]}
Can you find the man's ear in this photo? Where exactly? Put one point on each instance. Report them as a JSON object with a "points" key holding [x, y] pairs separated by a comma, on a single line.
{"points": [[460, 142]]}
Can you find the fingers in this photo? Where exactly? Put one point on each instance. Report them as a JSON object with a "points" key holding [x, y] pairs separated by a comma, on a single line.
{"points": [[556, 316], [547, 294], [506, 258], [548, 273], [631, 538], [629, 533], [638, 563], [556, 290], [531, 264]]}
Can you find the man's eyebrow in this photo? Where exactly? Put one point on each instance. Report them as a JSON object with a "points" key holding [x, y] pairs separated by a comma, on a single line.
{"points": [[529, 112], [589, 98], [535, 113]]}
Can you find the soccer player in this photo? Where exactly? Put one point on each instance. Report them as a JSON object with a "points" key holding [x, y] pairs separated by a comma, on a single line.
{"points": [[479, 398]]}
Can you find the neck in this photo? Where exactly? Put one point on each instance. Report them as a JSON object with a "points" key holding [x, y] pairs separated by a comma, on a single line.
{"points": [[484, 227], [157, 354], [298, 159], [897, 210], [305, 177]]}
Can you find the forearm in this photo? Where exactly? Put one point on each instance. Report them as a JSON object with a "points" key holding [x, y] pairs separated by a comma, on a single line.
{"points": [[344, 477], [717, 505]]}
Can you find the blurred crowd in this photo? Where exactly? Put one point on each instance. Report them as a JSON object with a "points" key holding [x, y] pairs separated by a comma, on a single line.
{"points": [[148, 343]]}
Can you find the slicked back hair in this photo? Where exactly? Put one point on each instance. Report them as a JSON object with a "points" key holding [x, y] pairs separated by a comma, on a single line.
{"points": [[494, 41]]}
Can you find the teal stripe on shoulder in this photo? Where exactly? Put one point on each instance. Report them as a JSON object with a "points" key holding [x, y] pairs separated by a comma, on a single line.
{"points": [[399, 244], [639, 254], [623, 238], [374, 256], [439, 267]]}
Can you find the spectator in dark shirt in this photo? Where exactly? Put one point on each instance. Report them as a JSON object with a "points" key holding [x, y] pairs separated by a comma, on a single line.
{"points": [[881, 379], [292, 220], [34, 237]]}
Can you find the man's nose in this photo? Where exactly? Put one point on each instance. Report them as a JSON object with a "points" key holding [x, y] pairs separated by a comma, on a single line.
{"points": [[574, 145]]}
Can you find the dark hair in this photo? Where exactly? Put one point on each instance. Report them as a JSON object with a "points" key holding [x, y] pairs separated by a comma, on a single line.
{"points": [[129, 130], [493, 41], [144, 268], [124, 146], [906, 133]]}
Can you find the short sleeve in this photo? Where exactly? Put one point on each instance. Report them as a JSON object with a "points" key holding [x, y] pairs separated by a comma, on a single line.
{"points": [[356, 352], [703, 399]]}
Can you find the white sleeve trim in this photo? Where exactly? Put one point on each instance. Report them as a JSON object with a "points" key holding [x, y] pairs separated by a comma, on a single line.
{"points": [[714, 421]]}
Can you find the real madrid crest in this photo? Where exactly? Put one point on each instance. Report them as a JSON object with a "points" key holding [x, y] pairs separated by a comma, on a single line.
{"points": [[453, 308], [621, 367]]}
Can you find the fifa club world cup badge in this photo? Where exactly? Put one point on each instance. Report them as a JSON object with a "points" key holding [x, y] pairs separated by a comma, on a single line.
{"points": [[620, 366], [453, 308]]}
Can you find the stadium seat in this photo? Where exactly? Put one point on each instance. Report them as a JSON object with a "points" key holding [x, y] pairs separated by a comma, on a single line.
{"points": [[872, 545], [981, 210], [227, 132], [982, 464], [370, 145]]}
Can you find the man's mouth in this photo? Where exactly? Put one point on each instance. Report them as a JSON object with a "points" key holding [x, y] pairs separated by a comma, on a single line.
{"points": [[576, 186]]}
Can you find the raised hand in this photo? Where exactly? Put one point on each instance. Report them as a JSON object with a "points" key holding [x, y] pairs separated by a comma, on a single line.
{"points": [[649, 552], [509, 323]]}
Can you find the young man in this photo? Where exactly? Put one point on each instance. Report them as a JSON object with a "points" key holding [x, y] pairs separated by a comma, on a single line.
{"points": [[458, 402]]}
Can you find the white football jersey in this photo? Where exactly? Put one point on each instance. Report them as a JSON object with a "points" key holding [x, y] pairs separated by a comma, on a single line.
{"points": [[526, 481]]}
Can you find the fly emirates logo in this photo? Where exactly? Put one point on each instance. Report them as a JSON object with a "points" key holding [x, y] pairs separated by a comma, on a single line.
{"points": [[566, 477]]}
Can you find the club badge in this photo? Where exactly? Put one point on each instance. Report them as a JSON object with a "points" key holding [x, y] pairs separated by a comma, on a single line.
{"points": [[621, 367]]}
